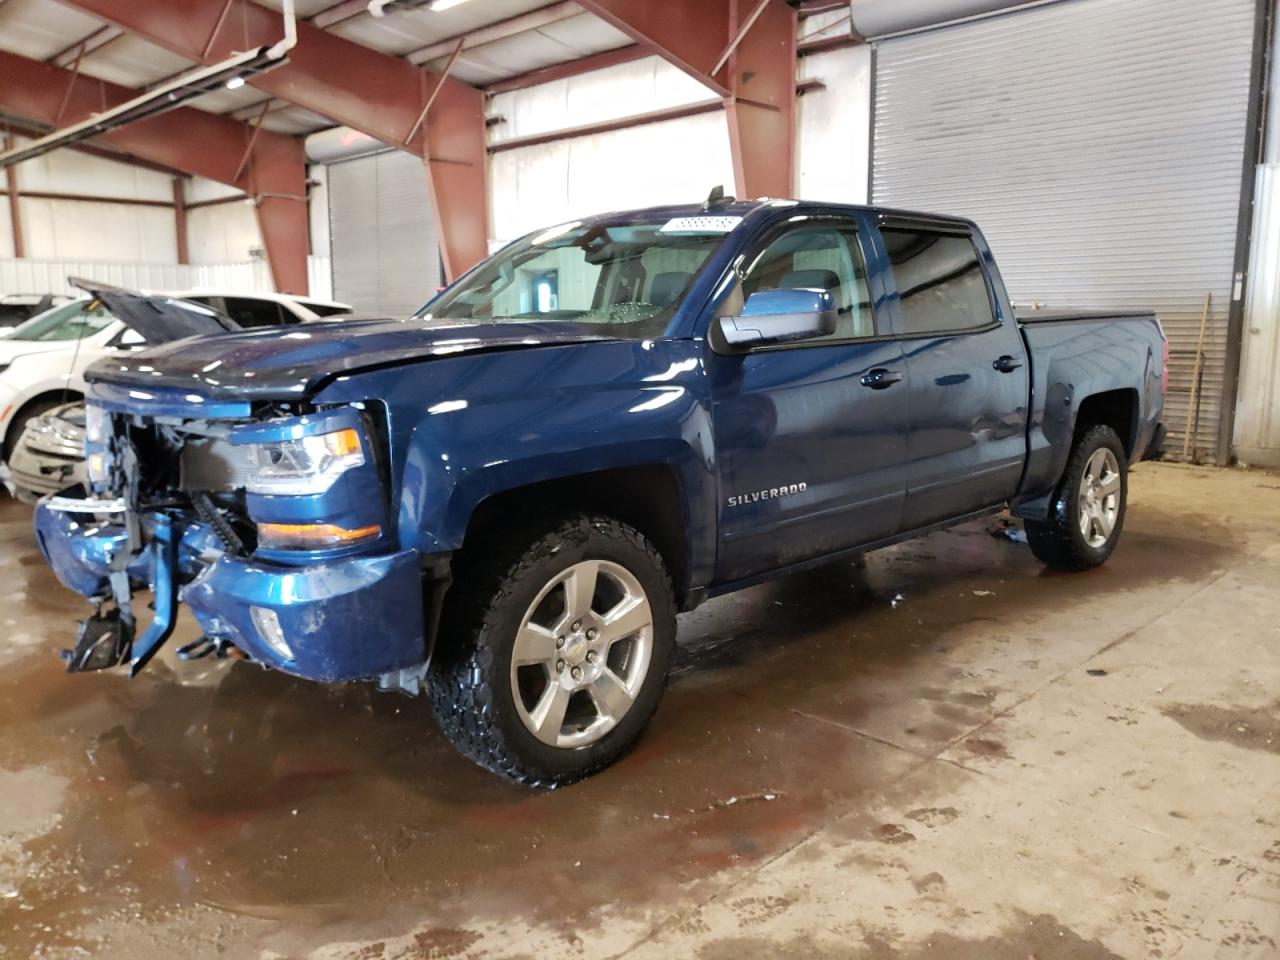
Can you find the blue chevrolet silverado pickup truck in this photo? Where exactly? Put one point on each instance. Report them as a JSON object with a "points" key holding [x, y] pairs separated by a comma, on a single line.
{"points": [[506, 499]]}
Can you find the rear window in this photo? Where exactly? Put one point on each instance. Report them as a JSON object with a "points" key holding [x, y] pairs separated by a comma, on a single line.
{"points": [[940, 281], [324, 309], [250, 313]]}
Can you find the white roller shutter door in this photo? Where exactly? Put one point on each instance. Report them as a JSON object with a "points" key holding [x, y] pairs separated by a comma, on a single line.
{"points": [[1099, 144], [382, 231]]}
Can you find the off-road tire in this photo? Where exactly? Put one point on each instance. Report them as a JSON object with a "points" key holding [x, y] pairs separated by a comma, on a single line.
{"points": [[1059, 542], [469, 678]]}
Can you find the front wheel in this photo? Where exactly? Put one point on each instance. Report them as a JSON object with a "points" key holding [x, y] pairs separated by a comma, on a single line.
{"points": [[553, 657], [1088, 509]]}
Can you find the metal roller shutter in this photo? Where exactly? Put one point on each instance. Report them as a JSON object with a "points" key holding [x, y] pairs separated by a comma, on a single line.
{"points": [[1099, 144], [382, 229]]}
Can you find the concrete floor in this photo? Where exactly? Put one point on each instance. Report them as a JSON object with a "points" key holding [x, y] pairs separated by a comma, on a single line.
{"points": [[948, 753]]}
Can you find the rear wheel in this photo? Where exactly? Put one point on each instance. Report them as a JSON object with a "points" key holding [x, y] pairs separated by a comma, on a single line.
{"points": [[1088, 509], [553, 658]]}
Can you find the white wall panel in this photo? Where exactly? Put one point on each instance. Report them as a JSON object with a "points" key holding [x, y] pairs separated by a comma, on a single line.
{"points": [[69, 171], [618, 91], [833, 127], [1257, 427], [6, 229], [41, 276], [198, 189], [83, 230], [320, 277], [676, 161], [223, 233]]}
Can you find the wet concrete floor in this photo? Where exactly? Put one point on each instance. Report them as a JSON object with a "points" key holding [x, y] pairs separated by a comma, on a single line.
{"points": [[946, 752]]}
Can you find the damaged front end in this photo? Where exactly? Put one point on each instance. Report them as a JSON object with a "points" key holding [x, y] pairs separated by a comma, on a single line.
{"points": [[269, 521]]}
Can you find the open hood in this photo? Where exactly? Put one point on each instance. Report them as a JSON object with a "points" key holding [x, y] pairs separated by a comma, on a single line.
{"points": [[159, 319]]}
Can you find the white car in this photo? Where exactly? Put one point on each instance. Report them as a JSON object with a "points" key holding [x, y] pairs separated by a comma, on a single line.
{"points": [[42, 362]]}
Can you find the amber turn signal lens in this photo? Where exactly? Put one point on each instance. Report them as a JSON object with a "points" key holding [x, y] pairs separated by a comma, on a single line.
{"points": [[342, 443], [312, 536]]}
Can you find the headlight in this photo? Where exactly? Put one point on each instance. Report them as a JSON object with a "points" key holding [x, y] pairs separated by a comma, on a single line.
{"points": [[96, 421], [305, 465], [97, 434]]}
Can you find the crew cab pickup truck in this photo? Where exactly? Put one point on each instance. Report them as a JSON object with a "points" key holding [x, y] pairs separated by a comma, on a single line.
{"points": [[506, 499]]}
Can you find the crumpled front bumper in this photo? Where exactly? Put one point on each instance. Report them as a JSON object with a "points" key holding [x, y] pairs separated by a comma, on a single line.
{"points": [[350, 618]]}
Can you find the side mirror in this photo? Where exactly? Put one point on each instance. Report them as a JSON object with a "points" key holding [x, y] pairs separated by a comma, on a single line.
{"points": [[780, 316]]}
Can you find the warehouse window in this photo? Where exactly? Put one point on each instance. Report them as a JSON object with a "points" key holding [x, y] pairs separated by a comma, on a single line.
{"points": [[941, 286]]}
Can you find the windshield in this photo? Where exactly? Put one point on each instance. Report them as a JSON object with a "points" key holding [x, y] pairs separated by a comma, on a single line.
{"points": [[74, 321], [621, 280]]}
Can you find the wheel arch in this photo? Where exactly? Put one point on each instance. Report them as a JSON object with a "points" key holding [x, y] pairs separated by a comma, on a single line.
{"points": [[648, 497], [17, 420], [1117, 409]]}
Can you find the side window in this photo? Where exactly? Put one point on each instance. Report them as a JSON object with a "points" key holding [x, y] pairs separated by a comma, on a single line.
{"points": [[940, 281], [250, 313], [818, 257]]}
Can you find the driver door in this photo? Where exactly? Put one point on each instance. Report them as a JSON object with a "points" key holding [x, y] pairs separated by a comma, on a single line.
{"points": [[811, 436]]}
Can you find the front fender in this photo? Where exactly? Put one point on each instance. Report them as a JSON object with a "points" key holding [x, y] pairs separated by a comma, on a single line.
{"points": [[463, 429]]}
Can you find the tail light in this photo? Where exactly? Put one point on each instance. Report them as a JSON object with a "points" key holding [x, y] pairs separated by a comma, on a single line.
{"points": [[1164, 376]]}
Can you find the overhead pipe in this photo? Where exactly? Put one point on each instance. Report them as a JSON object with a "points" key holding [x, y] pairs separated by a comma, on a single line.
{"points": [[166, 97]]}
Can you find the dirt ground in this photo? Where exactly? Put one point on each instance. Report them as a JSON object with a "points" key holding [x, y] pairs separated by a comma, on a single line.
{"points": [[946, 753]]}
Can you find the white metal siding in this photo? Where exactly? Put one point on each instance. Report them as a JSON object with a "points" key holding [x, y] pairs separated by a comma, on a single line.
{"points": [[50, 276], [1257, 427], [382, 233], [1099, 144]]}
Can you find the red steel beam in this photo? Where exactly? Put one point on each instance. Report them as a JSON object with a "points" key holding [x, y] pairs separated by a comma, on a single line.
{"points": [[180, 219], [15, 214], [375, 93], [743, 50], [35, 130], [185, 139]]}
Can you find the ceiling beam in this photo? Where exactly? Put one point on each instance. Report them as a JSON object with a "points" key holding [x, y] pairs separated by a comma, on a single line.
{"points": [[375, 93], [339, 13], [745, 51], [86, 45], [570, 68], [185, 139], [502, 30]]}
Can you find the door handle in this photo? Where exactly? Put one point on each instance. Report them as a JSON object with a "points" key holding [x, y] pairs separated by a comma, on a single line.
{"points": [[1006, 364], [880, 378]]}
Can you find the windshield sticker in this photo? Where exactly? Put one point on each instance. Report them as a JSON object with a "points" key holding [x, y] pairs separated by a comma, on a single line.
{"points": [[700, 225]]}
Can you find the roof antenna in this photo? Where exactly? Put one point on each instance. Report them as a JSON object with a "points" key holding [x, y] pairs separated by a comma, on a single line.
{"points": [[717, 198]]}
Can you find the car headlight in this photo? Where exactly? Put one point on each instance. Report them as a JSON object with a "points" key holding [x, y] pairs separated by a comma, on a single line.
{"points": [[304, 465], [96, 422], [97, 433]]}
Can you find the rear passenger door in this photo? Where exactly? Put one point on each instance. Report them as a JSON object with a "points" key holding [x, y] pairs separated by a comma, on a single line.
{"points": [[967, 371]]}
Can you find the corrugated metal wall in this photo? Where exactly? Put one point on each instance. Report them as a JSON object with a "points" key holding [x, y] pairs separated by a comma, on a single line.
{"points": [[382, 233], [50, 276], [1099, 143]]}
